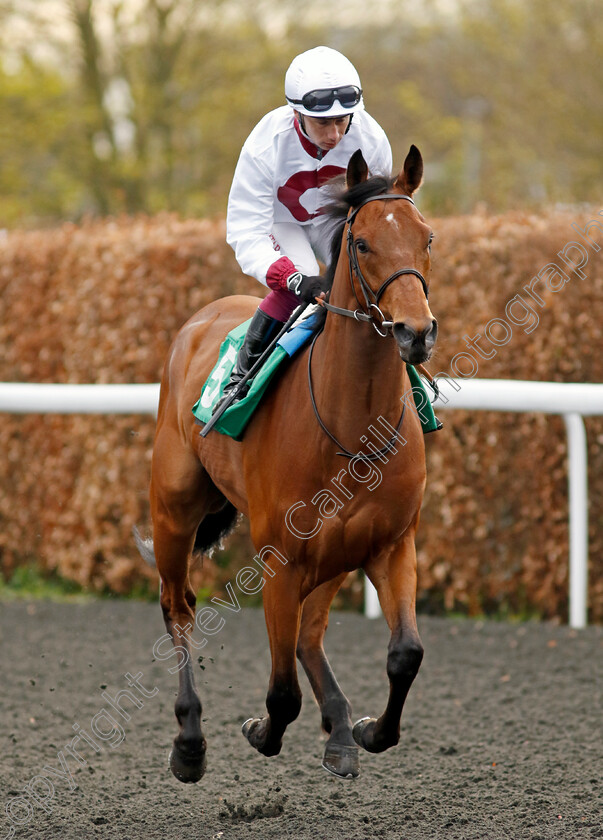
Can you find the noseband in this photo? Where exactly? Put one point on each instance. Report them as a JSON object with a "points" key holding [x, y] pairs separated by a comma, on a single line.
{"points": [[371, 298]]}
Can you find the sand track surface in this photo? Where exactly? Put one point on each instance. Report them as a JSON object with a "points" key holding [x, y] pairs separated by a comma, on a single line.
{"points": [[501, 736]]}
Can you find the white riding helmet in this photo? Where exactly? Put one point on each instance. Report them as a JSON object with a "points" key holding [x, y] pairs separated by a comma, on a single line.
{"points": [[323, 83]]}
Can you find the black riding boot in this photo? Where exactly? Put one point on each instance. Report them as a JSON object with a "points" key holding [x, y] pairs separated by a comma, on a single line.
{"points": [[260, 332]]}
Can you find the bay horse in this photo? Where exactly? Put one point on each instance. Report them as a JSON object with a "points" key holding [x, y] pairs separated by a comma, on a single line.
{"points": [[277, 475]]}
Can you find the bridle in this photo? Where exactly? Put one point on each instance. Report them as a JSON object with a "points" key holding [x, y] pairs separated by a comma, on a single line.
{"points": [[371, 298], [371, 302]]}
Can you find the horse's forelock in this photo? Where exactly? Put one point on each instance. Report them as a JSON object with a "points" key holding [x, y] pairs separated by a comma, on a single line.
{"points": [[342, 200], [377, 185]]}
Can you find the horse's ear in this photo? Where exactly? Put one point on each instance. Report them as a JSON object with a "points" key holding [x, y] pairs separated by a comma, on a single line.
{"points": [[357, 170], [409, 180]]}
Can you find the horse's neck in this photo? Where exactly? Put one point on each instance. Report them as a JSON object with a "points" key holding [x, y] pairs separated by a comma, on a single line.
{"points": [[358, 375]]}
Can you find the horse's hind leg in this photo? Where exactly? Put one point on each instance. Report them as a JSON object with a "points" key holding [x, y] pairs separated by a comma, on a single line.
{"points": [[282, 608], [394, 574], [341, 751], [181, 494]]}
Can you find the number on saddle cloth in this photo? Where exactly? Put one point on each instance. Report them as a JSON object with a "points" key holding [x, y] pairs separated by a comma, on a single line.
{"points": [[237, 416]]}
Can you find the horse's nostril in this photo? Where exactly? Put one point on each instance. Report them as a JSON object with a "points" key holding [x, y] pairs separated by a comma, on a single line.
{"points": [[431, 333], [404, 334]]}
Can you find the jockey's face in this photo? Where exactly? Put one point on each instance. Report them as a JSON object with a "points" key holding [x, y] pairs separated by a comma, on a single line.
{"points": [[324, 132]]}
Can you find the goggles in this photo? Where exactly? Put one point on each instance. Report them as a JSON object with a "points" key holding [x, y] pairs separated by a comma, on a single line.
{"points": [[322, 100]]}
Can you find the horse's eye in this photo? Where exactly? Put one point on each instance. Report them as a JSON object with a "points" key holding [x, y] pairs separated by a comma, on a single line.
{"points": [[362, 246], [430, 241]]}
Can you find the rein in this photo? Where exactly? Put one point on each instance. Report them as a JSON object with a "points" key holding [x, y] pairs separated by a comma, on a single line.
{"points": [[383, 327], [346, 452], [371, 298]]}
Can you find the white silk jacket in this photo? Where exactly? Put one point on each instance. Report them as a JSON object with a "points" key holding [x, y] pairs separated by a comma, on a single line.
{"points": [[281, 177]]}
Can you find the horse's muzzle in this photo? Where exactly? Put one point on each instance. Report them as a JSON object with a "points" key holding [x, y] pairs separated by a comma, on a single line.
{"points": [[415, 347]]}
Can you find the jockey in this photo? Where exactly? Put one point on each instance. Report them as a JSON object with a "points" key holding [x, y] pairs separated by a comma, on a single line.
{"points": [[274, 223]]}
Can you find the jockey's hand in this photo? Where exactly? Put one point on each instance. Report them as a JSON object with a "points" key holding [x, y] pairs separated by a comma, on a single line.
{"points": [[308, 288]]}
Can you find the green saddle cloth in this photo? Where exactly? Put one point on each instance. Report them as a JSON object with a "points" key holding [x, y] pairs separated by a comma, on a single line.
{"points": [[234, 420]]}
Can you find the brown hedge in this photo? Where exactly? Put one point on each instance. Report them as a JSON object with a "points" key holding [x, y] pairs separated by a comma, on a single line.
{"points": [[100, 302]]}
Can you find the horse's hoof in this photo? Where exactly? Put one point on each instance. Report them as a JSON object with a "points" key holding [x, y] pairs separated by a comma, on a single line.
{"points": [[246, 728], [341, 761], [359, 731], [187, 769], [254, 729]]}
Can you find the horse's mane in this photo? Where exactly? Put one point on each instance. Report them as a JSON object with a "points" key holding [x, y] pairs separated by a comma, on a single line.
{"points": [[342, 199]]}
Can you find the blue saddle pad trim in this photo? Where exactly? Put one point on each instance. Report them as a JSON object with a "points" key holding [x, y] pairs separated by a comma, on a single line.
{"points": [[297, 337]]}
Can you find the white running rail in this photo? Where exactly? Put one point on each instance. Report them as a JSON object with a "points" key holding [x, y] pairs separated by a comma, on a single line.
{"points": [[32, 398], [571, 401]]}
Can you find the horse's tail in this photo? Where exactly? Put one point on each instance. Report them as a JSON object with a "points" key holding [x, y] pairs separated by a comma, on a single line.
{"points": [[213, 528], [145, 547]]}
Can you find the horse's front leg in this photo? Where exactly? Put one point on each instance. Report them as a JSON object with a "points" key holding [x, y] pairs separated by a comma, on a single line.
{"points": [[341, 751], [394, 574], [282, 608]]}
